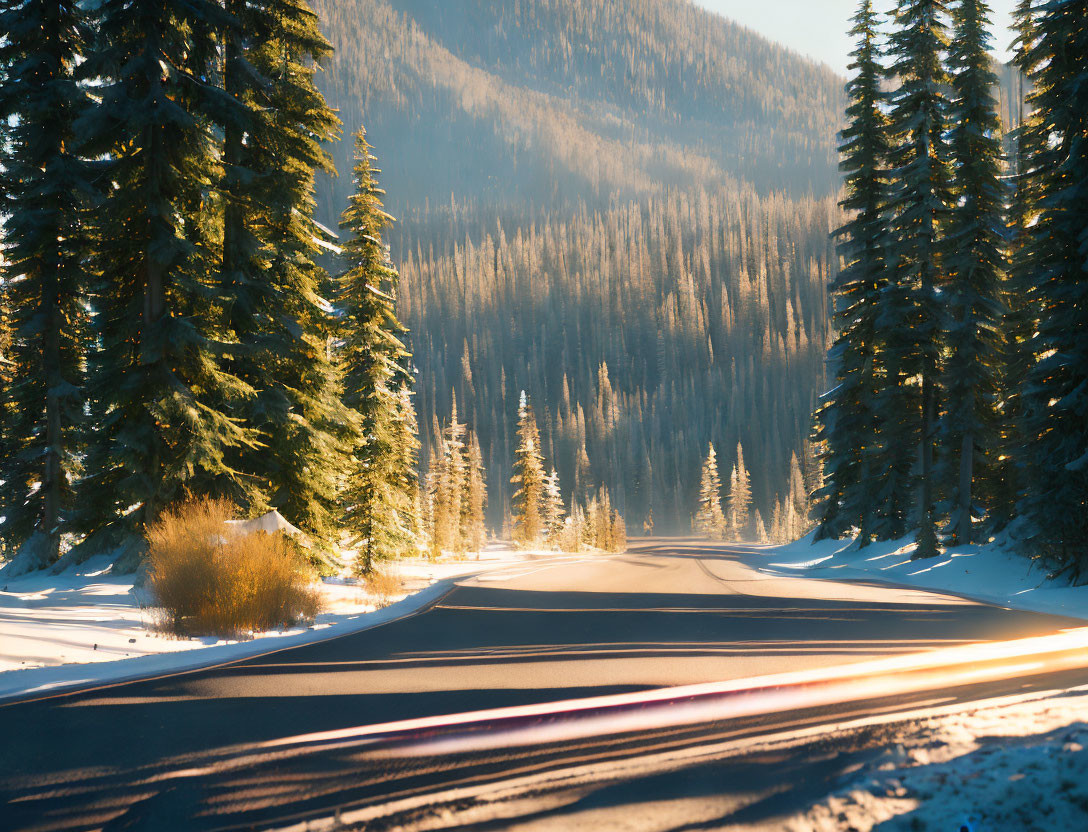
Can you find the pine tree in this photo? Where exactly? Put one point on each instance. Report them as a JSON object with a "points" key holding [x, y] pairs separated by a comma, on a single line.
{"points": [[761, 529], [798, 495], [475, 499], [554, 510], [740, 496], [161, 395], [269, 278], [847, 427], [456, 521], [618, 542], [1055, 398], [45, 188], [779, 523], [572, 534], [1019, 322], [528, 478], [377, 495], [709, 518], [453, 485], [910, 313], [975, 262], [404, 473], [601, 521]]}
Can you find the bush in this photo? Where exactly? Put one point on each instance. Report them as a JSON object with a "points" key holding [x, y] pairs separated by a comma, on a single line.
{"points": [[382, 586], [210, 580]]}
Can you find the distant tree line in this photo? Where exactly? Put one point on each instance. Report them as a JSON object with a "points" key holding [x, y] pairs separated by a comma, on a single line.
{"points": [[455, 495], [641, 334], [961, 360], [737, 520]]}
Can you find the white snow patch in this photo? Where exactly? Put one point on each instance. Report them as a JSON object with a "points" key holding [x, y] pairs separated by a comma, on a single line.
{"points": [[994, 572], [87, 625], [1015, 766]]}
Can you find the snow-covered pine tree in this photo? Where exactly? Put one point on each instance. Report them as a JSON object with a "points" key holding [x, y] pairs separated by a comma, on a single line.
{"points": [[404, 471], [909, 311], [269, 279], [779, 523], [709, 517], [475, 499], [571, 538], [163, 399], [554, 510], [760, 528], [975, 261], [46, 188], [847, 427], [450, 488], [528, 478], [1055, 399], [377, 497], [740, 496], [602, 521]]}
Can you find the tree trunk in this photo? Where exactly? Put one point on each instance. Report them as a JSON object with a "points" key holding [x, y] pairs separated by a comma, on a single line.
{"points": [[962, 532]]}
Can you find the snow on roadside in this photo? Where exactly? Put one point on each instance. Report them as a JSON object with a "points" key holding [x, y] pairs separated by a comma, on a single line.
{"points": [[87, 625], [1019, 766], [994, 572]]}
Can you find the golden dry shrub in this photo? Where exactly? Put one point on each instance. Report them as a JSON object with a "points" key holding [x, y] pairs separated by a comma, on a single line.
{"points": [[382, 586], [211, 580]]}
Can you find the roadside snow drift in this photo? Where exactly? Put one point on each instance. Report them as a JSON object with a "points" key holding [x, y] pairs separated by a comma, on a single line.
{"points": [[995, 572]]}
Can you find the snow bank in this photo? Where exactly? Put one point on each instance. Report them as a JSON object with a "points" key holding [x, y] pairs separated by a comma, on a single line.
{"points": [[995, 572], [1016, 766], [87, 625]]}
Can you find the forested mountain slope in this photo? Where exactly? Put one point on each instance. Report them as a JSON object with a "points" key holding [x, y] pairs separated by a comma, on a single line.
{"points": [[542, 103], [620, 206]]}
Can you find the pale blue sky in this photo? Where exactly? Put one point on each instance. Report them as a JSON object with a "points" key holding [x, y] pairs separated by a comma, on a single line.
{"points": [[818, 28]]}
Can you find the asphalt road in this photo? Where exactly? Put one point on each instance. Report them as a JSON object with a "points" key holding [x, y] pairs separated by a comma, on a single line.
{"points": [[666, 613]]}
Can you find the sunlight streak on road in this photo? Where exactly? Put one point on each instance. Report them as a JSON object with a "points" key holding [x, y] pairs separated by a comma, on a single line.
{"points": [[941, 669]]}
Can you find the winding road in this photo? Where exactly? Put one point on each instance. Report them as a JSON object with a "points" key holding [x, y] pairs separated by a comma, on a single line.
{"points": [[200, 750]]}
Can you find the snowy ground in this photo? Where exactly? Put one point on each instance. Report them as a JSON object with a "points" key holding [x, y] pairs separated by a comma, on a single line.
{"points": [[86, 625], [1020, 766], [995, 572]]}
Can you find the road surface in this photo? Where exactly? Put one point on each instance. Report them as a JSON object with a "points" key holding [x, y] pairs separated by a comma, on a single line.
{"points": [[666, 613]]}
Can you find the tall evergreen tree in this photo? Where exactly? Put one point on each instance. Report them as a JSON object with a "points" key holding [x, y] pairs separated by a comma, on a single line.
{"points": [[799, 496], [163, 400], [910, 313], [45, 187], [270, 282], [377, 499], [740, 496], [846, 423], [709, 518], [528, 478], [1055, 400], [553, 507], [975, 262], [475, 499], [453, 486], [1019, 322]]}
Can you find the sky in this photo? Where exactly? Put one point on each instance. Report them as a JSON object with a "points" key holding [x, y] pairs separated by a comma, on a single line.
{"points": [[818, 28]]}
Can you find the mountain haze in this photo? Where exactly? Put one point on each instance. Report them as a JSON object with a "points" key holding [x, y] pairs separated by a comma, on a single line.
{"points": [[620, 207], [533, 105]]}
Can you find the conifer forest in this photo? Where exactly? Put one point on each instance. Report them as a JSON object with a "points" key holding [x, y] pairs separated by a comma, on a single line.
{"points": [[417, 274], [543, 415]]}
